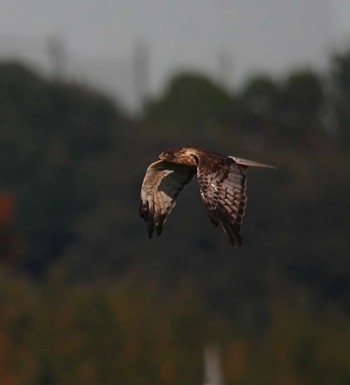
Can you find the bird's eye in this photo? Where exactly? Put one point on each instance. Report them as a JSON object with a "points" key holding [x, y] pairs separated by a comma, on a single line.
{"points": [[195, 158]]}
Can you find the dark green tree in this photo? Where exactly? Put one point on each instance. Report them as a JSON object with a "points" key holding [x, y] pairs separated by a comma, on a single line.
{"points": [[50, 131], [340, 96], [192, 102], [301, 106], [257, 107]]}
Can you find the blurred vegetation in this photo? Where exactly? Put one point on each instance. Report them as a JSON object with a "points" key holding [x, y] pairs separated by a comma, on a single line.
{"points": [[86, 298]]}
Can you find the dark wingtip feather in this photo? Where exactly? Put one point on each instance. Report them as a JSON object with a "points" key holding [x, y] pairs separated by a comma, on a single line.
{"points": [[159, 229], [227, 226], [147, 216], [232, 230], [150, 227], [143, 210], [159, 226], [159, 223]]}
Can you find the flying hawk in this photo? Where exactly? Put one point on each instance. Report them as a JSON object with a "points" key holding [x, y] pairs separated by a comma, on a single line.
{"points": [[222, 184]]}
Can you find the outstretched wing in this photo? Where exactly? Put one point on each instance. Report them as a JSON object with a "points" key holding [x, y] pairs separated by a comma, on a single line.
{"points": [[160, 188], [222, 185]]}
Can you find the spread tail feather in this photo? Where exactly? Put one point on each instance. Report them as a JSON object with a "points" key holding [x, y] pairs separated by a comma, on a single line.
{"points": [[250, 163]]}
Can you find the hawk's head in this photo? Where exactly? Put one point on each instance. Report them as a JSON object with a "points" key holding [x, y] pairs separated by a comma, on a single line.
{"points": [[181, 155]]}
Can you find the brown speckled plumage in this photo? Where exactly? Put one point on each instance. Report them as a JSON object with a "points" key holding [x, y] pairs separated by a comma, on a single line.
{"points": [[222, 184]]}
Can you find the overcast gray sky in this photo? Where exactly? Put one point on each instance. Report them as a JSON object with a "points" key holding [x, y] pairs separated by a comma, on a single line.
{"points": [[259, 34]]}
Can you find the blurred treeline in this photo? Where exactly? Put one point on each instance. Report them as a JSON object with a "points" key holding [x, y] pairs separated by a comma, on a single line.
{"points": [[86, 298]]}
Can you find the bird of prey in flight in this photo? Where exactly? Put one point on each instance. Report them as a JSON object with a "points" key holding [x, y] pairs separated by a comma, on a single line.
{"points": [[222, 184]]}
